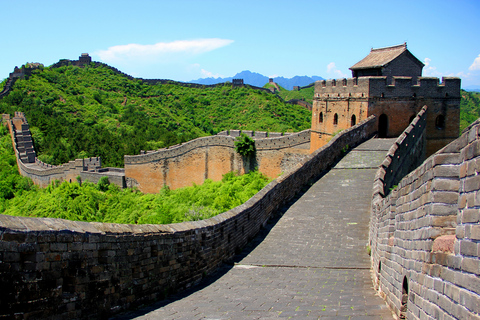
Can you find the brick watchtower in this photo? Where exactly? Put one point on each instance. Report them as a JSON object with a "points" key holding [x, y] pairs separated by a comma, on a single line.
{"points": [[84, 59], [388, 84]]}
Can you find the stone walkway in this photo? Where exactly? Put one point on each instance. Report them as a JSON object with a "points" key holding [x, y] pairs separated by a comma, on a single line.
{"points": [[310, 264]]}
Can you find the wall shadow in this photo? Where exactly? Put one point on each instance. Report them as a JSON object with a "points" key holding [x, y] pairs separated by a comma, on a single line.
{"points": [[227, 266]]}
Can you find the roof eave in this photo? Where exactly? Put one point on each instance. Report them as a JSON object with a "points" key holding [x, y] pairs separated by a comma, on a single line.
{"points": [[369, 67]]}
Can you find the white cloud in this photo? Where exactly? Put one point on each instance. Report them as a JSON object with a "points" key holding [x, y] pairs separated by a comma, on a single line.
{"points": [[476, 64], [160, 51], [334, 72], [429, 70], [209, 74]]}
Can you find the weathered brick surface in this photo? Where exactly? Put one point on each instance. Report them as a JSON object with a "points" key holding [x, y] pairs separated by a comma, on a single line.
{"points": [[211, 158], [432, 235], [58, 269]]}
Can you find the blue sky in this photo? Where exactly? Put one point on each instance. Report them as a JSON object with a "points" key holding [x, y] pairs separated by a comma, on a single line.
{"points": [[186, 39]]}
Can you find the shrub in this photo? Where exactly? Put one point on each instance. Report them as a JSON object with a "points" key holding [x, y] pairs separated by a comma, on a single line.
{"points": [[245, 145], [103, 184]]}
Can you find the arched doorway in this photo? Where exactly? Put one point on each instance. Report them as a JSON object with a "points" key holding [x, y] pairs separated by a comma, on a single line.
{"points": [[353, 121], [383, 126]]}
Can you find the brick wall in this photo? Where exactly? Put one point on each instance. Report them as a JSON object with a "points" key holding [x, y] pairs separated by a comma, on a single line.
{"points": [[66, 269], [211, 157], [424, 235]]}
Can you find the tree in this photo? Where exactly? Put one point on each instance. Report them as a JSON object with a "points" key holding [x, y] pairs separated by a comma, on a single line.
{"points": [[245, 145]]}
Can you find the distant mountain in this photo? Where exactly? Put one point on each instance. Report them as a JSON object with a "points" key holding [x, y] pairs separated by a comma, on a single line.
{"points": [[259, 80], [472, 88]]}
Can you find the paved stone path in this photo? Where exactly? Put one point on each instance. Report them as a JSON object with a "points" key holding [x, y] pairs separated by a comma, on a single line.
{"points": [[310, 264]]}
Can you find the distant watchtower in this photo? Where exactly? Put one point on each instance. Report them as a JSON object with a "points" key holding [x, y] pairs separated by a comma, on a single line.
{"points": [[84, 59], [237, 82], [387, 83]]}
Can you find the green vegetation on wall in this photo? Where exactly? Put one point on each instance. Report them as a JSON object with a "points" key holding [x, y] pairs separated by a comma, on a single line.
{"points": [[469, 108], [78, 112], [305, 94], [244, 145]]}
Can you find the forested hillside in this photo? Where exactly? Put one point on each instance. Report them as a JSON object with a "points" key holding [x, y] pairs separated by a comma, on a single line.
{"points": [[469, 108], [104, 202], [305, 94], [81, 112]]}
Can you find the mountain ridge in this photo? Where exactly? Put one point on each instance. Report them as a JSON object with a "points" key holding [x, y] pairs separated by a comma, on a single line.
{"points": [[259, 80]]}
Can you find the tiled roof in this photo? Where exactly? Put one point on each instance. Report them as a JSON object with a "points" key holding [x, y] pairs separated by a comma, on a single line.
{"points": [[380, 57]]}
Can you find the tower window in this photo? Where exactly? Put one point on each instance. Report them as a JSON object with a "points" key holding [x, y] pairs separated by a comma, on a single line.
{"points": [[354, 120], [335, 119], [440, 122], [320, 117]]}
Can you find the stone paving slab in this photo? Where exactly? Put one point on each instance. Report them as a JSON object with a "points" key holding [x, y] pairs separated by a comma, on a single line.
{"points": [[311, 264], [328, 227], [376, 145], [280, 293]]}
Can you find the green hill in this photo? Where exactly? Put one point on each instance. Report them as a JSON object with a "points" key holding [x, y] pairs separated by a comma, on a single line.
{"points": [[469, 108], [81, 112], [305, 93], [105, 202]]}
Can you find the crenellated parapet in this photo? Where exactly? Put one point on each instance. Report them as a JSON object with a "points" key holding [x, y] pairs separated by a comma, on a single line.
{"points": [[424, 227], [377, 87], [340, 103], [223, 139], [211, 157], [180, 149]]}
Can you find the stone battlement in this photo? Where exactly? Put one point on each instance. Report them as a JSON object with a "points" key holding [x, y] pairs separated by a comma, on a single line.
{"points": [[377, 87], [223, 140], [212, 157], [424, 230], [43, 173]]}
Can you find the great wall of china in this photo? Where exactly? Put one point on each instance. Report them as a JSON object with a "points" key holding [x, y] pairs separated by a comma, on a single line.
{"points": [[96, 269], [177, 166], [424, 236]]}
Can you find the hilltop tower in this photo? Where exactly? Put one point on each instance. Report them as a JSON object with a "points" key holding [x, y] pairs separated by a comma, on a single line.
{"points": [[84, 59], [387, 83]]}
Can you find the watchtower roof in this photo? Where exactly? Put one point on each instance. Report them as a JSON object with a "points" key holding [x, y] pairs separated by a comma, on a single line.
{"points": [[382, 56]]}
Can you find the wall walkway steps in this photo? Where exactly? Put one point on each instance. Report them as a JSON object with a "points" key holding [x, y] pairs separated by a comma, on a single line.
{"points": [[312, 263]]}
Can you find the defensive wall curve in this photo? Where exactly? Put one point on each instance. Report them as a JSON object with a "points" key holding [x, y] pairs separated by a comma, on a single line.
{"points": [[42, 173], [212, 157], [425, 232], [177, 166], [59, 268], [23, 71]]}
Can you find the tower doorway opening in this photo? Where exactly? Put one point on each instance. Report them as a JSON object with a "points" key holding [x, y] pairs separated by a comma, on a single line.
{"points": [[403, 308], [383, 126]]}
